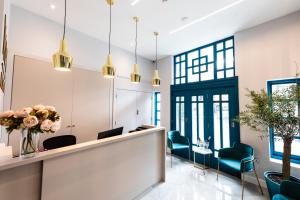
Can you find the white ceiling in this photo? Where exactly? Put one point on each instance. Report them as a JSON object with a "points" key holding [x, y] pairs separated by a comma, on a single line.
{"points": [[91, 17]]}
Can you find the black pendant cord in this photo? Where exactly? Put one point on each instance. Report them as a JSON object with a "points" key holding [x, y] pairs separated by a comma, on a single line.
{"points": [[65, 20], [156, 52], [109, 36], [136, 38]]}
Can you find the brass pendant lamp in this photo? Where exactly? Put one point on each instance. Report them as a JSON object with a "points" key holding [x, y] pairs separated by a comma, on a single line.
{"points": [[156, 79], [62, 60], [108, 70], [135, 77]]}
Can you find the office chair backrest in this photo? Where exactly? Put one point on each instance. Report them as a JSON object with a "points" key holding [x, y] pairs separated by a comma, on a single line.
{"points": [[110, 133], [59, 141]]}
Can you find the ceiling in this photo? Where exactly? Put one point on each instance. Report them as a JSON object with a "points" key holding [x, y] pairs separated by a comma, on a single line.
{"points": [[205, 20]]}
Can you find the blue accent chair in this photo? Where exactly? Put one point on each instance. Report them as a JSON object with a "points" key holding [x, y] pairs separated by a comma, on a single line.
{"points": [[289, 190], [178, 142], [239, 158]]}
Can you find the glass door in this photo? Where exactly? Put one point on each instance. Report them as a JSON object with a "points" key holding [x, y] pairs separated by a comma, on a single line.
{"points": [[204, 114]]}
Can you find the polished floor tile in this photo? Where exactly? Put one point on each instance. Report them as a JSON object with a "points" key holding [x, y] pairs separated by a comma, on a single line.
{"points": [[185, 182]]}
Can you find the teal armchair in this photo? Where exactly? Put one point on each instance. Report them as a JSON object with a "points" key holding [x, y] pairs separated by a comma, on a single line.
{"points": [[239, 158], [289, 190], [178, 142]]}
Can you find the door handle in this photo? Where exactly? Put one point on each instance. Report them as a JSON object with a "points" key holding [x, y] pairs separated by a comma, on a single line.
{"points": [[71, 126]]}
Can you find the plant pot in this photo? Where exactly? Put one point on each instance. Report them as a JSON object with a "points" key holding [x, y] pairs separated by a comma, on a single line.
{"points": [[28, 144], [273, 186]]}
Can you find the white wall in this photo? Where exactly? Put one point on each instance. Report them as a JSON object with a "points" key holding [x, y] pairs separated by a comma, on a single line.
{"points": [[165, 67], [262, 53], [38, 37]]}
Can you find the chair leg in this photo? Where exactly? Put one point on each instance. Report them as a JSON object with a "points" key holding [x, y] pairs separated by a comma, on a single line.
{"points": [[243, 185], [218, 170], [257, 180]]}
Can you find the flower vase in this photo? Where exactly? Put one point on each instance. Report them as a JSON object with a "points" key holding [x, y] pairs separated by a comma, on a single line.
{"points": [[28, 144]]}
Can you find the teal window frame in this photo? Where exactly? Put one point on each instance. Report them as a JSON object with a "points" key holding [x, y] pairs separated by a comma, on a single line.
{"points": [[157, 100], [275, 154], [201, 63]]}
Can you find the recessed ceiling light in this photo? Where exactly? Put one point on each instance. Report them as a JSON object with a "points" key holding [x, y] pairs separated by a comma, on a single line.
{"points": [[133, 3], [184, 19], [206, 16], [52, 6]]}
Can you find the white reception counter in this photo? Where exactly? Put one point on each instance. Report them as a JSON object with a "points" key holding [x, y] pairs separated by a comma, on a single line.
{"points": [[118, 168]]}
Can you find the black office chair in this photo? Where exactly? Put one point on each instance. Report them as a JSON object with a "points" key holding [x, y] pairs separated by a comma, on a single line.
{"points": [[59, 141]]}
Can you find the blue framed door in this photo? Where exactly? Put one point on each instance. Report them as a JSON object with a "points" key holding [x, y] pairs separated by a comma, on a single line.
{"points": [[207, 111]]}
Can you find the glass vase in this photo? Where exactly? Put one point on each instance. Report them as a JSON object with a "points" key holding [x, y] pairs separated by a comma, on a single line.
{"points": [[28, 144]]}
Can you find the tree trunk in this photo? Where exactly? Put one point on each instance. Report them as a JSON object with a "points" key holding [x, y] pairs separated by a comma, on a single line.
{"points": [[286, 159]]}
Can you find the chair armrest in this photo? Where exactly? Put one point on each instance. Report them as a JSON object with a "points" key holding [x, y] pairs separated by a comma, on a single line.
{"points": [[170, 143], [225, 152], [290, 189], [247, 164]]}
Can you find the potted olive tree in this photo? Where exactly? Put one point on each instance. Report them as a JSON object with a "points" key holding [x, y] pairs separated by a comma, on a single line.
{"points": [[277, 112]]}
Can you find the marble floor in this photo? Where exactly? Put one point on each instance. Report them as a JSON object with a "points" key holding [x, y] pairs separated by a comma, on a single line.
{"points": [[184, 182]]}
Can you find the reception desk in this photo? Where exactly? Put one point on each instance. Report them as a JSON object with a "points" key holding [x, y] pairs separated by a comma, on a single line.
{"points": [[117, 168]]}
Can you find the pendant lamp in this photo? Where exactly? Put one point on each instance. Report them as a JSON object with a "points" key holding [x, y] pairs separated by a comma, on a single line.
{"points": [[135, 77], [108, 70], [156, 79], [62, 60]]}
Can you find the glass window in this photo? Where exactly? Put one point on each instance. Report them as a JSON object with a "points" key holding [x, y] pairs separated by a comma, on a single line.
{"points": [[180, 117], [209, 62], [197, 119], [221, 121], [276, 144], [157, 108]]}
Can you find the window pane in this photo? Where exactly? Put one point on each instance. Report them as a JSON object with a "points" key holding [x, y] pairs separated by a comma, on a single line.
{"points": [[225, 124], [191, 56], [220, 46], [209, 75], [208, 52], [177, 68], [182, 120], [229, 43], [220, 74], [229, 58], [216, 97], [220, 60], [217, 134], [229, 73], [182, 69], [192, 77], [194, 123], [201, 120]]}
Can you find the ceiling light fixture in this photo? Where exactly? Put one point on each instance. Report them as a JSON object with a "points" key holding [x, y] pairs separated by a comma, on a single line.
{"points": [[108, 70], [156, 79], [52, 6], [135, 2], [62, 60], [206, 17], [135, 77]]}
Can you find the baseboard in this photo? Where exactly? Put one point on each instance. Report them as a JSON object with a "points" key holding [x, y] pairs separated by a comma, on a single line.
{"points": [[252, 179]]}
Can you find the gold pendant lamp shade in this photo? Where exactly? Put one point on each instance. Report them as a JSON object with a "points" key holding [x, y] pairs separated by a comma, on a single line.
{"points": [[135, 77], [156, 79], [62, 60], [108, 70]]}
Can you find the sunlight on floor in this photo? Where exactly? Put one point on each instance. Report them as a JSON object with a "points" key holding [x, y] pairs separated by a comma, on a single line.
{"points": [[184, 182]]}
